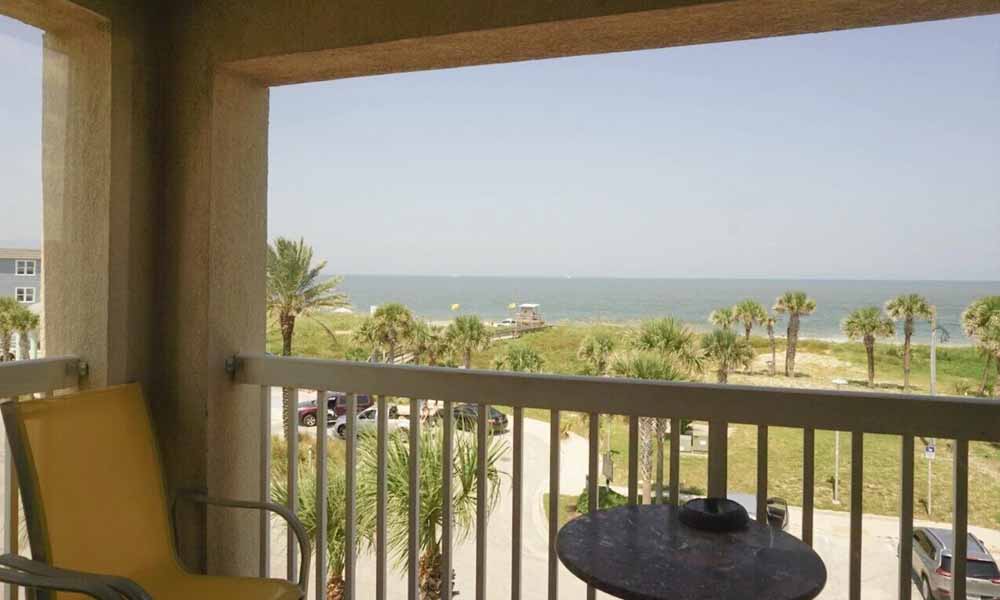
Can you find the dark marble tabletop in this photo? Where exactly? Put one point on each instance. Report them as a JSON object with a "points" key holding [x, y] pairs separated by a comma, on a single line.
{"points": [[646, 553]]}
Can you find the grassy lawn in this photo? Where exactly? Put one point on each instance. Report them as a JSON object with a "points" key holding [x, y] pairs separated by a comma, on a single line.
{"points": [[311, 339], [881, 471], [567, 507], [819, 363]]}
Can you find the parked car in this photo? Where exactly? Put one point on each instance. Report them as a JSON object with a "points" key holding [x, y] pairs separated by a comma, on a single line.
{"points": [[777, 508], [368, 421], [336, 403], [932, 556], [466, 417]]}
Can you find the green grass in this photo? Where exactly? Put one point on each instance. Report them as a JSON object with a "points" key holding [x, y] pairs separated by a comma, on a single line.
{"points": [[880, 468], [567, 507], [311, 339]]}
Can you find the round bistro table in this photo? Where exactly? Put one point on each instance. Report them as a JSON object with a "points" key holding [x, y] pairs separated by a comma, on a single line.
{"points": [[646, 553]]}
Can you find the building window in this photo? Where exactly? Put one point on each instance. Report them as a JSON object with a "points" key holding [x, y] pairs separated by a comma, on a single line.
{"points": [[25, 295], [26, 267]]}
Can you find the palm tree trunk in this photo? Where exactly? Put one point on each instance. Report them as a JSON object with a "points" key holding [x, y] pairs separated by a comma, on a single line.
{"points": [[870, 351], [25, 345], [430, 574], [335, 587], [774, 352], [907, 333], [986, 374], [287, 323], [793, 340], [996, 383]]}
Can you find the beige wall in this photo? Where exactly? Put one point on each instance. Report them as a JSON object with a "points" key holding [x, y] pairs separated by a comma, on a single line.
{"points": [[156, 209]]}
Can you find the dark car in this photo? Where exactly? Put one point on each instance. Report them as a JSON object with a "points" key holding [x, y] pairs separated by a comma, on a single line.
{"points": [[777, 508], [466, 417], [336, 403]]}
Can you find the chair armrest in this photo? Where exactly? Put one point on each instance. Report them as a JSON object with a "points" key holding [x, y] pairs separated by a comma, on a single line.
{"points": [[289, 516], [28, 573]]}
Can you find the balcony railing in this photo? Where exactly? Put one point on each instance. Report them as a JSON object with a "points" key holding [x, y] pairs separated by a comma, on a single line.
{"points": [[20, 378], [960, 419]]}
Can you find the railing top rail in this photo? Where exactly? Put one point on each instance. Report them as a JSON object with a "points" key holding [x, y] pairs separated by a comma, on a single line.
{"points": [[41, 375], [870, 412]]}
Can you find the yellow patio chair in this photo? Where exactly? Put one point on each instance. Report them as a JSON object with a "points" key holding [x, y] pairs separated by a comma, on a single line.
{"points": [[96, 506]]}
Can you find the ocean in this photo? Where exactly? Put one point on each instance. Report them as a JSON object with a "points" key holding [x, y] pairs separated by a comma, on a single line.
{"points": [[632, 300]]}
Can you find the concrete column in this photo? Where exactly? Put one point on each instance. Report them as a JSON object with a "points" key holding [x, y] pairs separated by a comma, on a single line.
{"points": [[76, 168], [98, 194], [212, 295]]}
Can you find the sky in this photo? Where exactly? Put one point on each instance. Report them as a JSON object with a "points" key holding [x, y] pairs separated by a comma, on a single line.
{"points": [[869, 154]]}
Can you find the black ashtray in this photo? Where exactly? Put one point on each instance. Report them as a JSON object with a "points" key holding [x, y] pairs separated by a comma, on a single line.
{"points": [[714, 514]]}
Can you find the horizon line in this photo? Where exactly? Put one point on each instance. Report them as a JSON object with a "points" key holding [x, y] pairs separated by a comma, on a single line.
{"points": [[663, 277]]}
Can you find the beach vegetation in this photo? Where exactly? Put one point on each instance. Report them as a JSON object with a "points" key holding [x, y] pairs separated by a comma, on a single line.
{"points": [[980, 321], [795, 305], [868, 324], [595, 351], [464, 467], [908, 308], [467, 334], [728, 351], [749, 313]]}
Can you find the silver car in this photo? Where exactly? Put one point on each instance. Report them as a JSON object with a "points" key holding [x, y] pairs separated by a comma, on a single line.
{"points": [[367, 421], [932, 555]]}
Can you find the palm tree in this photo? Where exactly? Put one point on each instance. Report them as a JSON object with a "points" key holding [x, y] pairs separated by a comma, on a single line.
{"points": [[519, 358], [595, 350], [24, 322], [673, 340], [749, 312], [728, 351], [467, 334], [722, 317], [428, 341], [431, 503], [391, 328], [306, 511], [795, 305], [8, 307], [989, 340], [976, 322], [868, 324], [647, 365], [294, 289], [770, 321], [908, 308]]}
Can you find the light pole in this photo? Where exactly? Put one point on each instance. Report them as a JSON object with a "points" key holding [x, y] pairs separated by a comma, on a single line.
{"points": [[836, 453], [942, 333]]}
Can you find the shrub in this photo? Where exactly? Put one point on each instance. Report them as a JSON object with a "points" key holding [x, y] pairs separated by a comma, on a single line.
{"points": [[606, 498]]}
